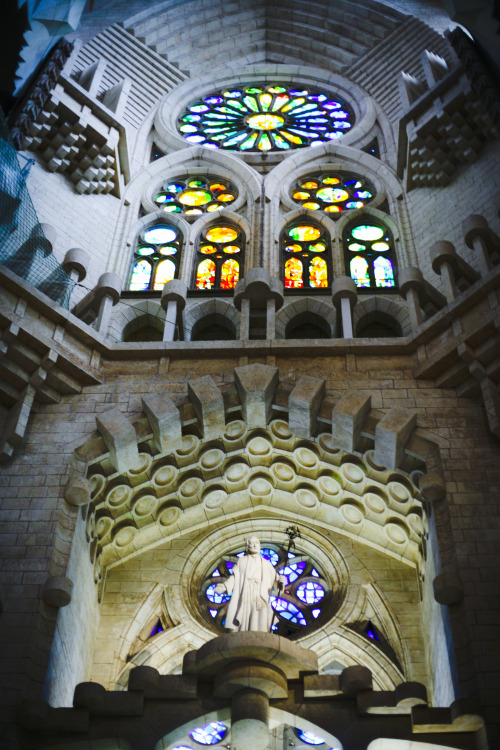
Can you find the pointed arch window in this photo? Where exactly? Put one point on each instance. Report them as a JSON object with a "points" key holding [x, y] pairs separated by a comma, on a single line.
{"points": [[220, 257], [156, 258], [305, 255], [369, 254]]}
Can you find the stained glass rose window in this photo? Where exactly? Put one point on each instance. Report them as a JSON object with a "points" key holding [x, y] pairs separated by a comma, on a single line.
{"points": [[156, 258], [299, 605], [332, 192], [266, 117], [193, 196], [305, 256], [369, 254], [220, 257]]}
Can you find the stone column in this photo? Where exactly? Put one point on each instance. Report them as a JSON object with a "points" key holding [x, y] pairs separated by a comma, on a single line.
{"points": [[173, 301], [344, 296], [411, 286], [478, 236], [75, 263], [107, 293], [258, 288], [444, 261]]}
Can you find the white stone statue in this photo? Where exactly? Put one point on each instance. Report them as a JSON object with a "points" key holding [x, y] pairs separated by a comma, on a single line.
{"points": [[251, 583]]}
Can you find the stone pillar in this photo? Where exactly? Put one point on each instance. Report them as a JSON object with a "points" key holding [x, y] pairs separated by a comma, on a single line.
{"points": [[411, 286], [173, 301], [258, 288], [477, 236], [250, 720], [444, 261], [344, 296], [107, 293], [75, 263]]}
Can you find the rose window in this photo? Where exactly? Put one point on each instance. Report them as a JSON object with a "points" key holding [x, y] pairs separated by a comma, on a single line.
{"points": [[195, 196], [332, 192], [299, 605], [265, 118]]}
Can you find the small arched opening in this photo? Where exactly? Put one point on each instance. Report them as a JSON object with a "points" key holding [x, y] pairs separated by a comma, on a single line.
{"points": [[378, 325], [308, 325], [214, 327]]}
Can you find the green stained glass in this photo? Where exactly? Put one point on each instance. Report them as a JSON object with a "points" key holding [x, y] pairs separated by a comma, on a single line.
{"points": [[304, 233], [172, 209], [191, 118], [367, 232], [355, 247], [196, 183], [289, 119], [318, 247], [145, 250]]}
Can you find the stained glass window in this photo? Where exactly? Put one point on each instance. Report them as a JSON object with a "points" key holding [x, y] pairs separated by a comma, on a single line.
{"points": [[369, 254], [265, 117], [219, 258], [332, 192], [195, 195], [156, 258], [305, 256], [298, 605], [209, 734]]}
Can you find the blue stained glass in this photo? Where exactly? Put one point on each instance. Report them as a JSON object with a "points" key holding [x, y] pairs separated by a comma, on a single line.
{"points": [[315, 573], [158, 628], [362, 194], [240, 554], [230, 566], [384, 275], [141, 276], [341, 124], [350, 182], [213, 612], [195, 138], [212, 596], [318, 98], [332, 105], [295, 92], [216, 572], [315, 613], [310, 592], [309, 737], [160, 234], [354, 204], [291, 554], [270, 555], [232, 94], [287, 610], [331, 136], [209, 734], [292, 571], [372, 634], [214, 100], [340, 114], [181, 747], [174, 187]]}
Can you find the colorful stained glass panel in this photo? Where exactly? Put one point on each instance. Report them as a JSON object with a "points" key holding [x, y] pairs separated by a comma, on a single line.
{"points": [[304, 233], [318, 272], [359, 271], [221, 234], [165, 271], [229, 274], [141, 276], [205, 276], [294, 274], [382, 269]]}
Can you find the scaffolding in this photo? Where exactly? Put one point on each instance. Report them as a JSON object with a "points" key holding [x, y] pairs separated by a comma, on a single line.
{"points": [[24, 248]]}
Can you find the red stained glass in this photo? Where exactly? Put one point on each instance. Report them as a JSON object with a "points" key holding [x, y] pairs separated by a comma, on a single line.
{"points": [[205, 276], [294, 274], [229, 275]]}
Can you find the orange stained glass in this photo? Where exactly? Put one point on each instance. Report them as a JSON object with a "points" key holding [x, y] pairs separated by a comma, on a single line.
{"points": [[331, 181], [303, 233], [292, 138], [333, 209], [205, 275], [301, 195], [225, 197], [318, 272], [310, 185], [229, 274], [213, 207], [293, 274], [293, 248], [310, 204], [221, 234], [217, 186], [230, 249], [164, 272], [208, 249], [193, 212]]}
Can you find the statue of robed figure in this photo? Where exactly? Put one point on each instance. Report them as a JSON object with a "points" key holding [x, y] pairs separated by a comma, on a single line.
{"points": [[251, 584]]}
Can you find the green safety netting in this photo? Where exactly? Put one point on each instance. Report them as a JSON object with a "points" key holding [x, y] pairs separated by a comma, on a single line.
{"points": [[24, 249]]}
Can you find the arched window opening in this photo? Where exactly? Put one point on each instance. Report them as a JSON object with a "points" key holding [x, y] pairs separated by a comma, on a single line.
{"points": [[144, 328], [216, 268], [308, 325], [378, 325], [214, 327], [156, 258], [305, 256], [265, 117], [369, 254], [194, 196], [332, 192]]}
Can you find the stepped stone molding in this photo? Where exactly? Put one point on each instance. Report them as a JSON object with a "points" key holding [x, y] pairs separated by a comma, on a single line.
{"points": [[236, 668]]}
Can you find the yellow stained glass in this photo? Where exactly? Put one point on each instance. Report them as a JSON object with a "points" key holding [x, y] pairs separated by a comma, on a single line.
{"points": [[332, 195], [208, 249], [331, 181], [310, 204], [265, 101], [290, 137], [205, 275], [229, 274], [318, 247], [318, 272], [265, 122], [301, 195], [232, 249], [213, 207], [304, 233], [380, 247], [309, 185], [193, 211], [221, 234], [195, 197], [225, 197], [293, 274], [217, 186], [293, 248], [165, 271], [333, 209]]}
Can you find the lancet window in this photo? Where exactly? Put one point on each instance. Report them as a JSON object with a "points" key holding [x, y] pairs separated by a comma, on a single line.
{"points": [[300, 605], [265, 117], [220, 257], [195, 195], [305, 255], [332, 192], [369, 254], [156, 258]]}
